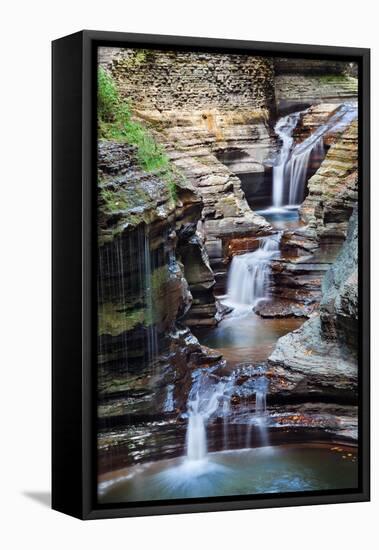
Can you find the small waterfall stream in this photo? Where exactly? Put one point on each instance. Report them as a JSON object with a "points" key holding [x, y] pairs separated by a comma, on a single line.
{"points": [[249, 274], [202, 404], [284, 129], [152, 334], [290, 173], [209, 398], [260, 416]]}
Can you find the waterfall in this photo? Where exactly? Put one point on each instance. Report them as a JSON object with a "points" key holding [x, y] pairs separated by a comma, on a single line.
{"points": [[260, 402], [249, 274], [299, 163], [201, 407], [290, 173], [196, 437], [260, 416], [151, 329], [283, 128], [169, 404]]}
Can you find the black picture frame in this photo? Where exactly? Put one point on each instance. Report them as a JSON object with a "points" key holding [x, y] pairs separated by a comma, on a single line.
{"points": [[74, 289]]}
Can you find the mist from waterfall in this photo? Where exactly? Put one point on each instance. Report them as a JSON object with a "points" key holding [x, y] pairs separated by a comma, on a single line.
{"points": [[291, 170], [249, 274]]}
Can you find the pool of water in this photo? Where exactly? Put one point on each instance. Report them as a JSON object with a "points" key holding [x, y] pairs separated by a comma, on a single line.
{"points": [[286, 217], [244, 336], [287, 468]]}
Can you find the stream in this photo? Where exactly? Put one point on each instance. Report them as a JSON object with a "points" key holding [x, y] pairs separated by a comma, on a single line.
{"points": [[246, 460]]}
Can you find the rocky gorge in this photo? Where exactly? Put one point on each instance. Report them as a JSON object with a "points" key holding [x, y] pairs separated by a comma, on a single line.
{"points": [[228, 255]]}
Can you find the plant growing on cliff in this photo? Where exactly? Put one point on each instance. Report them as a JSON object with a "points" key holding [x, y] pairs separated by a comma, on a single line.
{"points": [[107, 97], [115, 122]]}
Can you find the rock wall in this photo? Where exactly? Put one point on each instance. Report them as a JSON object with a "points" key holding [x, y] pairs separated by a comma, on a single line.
{"points": [[204, 109], [183, 80], [301, 83], [318, 361], [333, 190], [147, 243], [285, 65], [339, 305]]}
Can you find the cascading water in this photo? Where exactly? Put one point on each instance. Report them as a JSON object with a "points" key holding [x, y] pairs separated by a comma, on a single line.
{"points": [[151, 329], [249, 274], [284, 128], [202, 404], [169, 404], [290, 173], [260, 402], [260, 416]]}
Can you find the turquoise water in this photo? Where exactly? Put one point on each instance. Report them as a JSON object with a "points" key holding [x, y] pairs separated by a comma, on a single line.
{"points": [[280, 469]]}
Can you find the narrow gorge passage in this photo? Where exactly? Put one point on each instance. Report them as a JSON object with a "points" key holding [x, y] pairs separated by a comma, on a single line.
{"points": [[227, 279], [242, 333]]}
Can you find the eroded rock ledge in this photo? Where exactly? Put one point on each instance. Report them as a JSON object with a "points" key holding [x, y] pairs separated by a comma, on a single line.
{"points": [[333, 190], [319, 359]]}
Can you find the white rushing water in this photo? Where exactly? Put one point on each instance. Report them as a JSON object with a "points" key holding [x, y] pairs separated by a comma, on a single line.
{"points": [[169, 404], [210, 398], [290, 173], [260, 402], [151, 329], [284, 129], [201, 406], [259, 419], [249, 274]]}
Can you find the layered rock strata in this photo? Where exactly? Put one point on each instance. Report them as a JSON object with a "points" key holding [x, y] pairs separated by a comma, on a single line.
{"points": [[211, 113], [147, 242], [318, 361], [301, 83], [333, 190]]}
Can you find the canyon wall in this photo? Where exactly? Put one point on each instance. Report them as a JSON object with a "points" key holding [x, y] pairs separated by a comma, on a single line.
{"points": [[333, 190], [301, 83], [147, 243], [318, 362], [211, 114], [191, 81]]}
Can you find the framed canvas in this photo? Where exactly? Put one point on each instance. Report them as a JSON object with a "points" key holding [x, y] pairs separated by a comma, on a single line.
{"points": [[210, 274]]}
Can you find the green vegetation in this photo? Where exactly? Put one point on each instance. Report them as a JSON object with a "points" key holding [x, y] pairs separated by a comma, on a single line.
{"points": [[113, 201], [115, 122], [137, 57], [334, 78]]}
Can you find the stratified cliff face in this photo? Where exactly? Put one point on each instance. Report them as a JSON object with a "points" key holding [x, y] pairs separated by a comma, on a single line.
{"points": [[145, 357], [301, 83], [164, 250], [319, 359], [339, 305], [211, 114], [333, 190], [192, 81]]}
